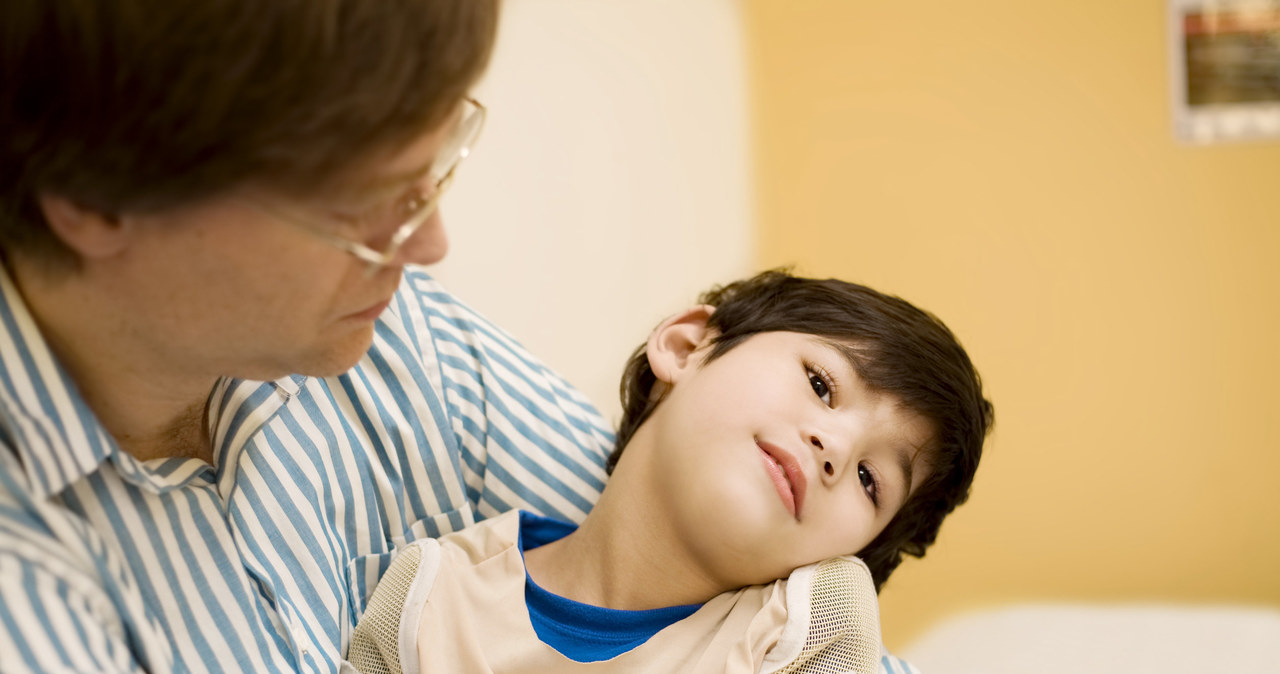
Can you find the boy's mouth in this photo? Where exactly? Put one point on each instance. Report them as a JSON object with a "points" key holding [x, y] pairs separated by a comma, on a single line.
{"points": [[787, 476]]}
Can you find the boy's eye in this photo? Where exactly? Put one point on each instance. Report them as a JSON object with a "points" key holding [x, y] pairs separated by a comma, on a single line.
{"points": [[868, 481], [820, 387]]}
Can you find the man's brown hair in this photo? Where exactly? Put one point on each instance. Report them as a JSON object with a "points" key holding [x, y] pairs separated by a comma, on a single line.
{"points": [[140, 105]]}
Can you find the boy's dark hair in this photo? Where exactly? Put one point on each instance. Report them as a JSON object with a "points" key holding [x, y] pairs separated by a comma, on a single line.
{"points": [[139, 105], [898, 348]]}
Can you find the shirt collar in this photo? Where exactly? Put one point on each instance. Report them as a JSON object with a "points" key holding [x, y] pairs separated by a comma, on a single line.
{"points": [[42, 414], [55, 434]]}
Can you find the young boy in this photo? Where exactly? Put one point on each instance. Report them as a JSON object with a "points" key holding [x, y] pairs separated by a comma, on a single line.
{"points": [[782, 422]]}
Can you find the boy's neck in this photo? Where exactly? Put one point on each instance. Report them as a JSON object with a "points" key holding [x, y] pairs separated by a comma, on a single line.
{"points": [[621, 558]]}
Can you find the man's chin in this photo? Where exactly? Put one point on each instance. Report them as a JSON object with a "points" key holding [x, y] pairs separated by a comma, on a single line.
{"points": [[329, 360], [341, 357]]}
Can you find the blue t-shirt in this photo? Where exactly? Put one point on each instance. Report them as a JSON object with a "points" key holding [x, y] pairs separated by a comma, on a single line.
{"points": [[582, 632]]}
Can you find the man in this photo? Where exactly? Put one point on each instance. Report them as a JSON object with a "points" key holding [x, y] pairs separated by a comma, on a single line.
{"points": [[206, 211], [224, 400]]}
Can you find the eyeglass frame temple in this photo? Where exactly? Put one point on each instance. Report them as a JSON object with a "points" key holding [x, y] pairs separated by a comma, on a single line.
{"points": [[406, 230]]}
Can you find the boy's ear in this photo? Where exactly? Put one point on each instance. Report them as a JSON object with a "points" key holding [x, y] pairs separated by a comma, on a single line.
{"points": [[673, 343], [89, 233]]}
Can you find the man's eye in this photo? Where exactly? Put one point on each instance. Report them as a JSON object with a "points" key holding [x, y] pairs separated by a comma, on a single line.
{"points": [[409, 203], [820, 387], [373, 213]]}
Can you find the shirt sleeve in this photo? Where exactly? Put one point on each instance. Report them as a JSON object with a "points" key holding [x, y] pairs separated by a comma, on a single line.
{"points": [[525, 437]]}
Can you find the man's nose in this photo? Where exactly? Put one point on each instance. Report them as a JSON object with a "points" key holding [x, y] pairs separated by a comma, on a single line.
{"points": [[428, 245]]}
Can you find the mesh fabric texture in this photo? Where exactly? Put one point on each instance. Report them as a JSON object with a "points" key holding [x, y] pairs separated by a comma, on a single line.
{"points": [[842, 636], [844, 622], [375, 644]]}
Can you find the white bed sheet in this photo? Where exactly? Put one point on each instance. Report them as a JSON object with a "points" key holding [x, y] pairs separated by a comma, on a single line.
{"points": [[1103, 639]]}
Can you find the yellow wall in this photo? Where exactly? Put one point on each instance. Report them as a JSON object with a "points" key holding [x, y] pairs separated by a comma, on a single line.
{"points": [[1010, 165]]}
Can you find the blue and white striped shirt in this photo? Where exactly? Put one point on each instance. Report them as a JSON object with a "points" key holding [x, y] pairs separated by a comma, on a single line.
{"points": [[263, 561]]}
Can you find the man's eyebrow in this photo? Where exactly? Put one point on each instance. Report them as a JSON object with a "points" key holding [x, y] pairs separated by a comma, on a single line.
{"points": [[390, 182], [400, 178]]}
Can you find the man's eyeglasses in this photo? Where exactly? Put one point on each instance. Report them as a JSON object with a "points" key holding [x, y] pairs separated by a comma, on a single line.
{"points": [[376, 237]]}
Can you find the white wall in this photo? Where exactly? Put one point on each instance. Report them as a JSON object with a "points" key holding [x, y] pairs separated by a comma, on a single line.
{"points": [[611, 183]]}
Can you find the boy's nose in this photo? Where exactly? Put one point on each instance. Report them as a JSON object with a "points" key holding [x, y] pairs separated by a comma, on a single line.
{"points": [[827, 459]]}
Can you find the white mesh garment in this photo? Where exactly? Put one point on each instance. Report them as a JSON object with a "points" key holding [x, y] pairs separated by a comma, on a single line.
{"points": [[375, 644], [841, 631]]}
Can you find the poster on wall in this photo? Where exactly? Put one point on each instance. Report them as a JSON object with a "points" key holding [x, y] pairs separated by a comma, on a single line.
{"points": [[1226, 66]]}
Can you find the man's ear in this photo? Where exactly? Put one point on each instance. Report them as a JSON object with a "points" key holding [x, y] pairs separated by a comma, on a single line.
{"points": [[88, 233], [673, 343]]}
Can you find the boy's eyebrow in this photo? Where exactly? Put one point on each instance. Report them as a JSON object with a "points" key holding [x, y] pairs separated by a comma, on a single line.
{"points": [[905, 465], [847, 351]]}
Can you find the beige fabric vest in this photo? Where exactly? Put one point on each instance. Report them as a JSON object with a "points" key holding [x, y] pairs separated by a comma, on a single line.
{"points": [[459, 604], [475, 619]]}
